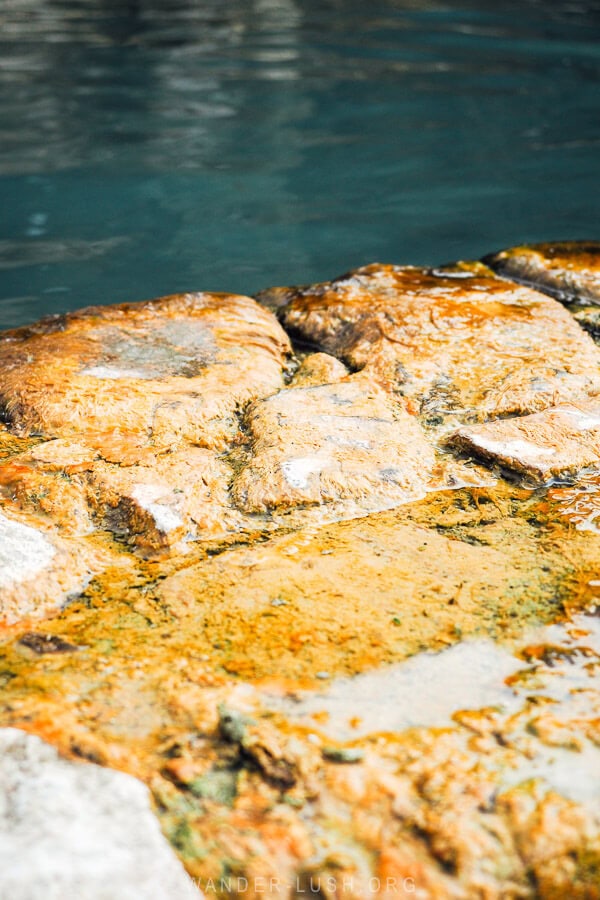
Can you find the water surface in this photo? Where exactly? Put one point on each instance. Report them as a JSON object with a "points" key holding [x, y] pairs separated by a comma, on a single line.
{"points": [[152, 147]]}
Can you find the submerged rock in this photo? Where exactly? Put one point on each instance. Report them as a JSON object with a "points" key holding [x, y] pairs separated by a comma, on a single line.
{"points": [[568, 270], [77, 831], [460, 343]]}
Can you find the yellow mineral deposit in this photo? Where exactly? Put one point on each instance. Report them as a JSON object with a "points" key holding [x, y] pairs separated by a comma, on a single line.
{"points": [[337, 608]]}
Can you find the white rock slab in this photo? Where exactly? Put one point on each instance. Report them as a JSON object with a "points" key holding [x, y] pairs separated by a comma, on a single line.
{"points": [[77, 831], [24, 552], [558, 440]]}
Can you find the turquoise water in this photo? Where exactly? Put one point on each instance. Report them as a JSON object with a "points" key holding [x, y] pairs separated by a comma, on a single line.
{"points": [[148, 148]]}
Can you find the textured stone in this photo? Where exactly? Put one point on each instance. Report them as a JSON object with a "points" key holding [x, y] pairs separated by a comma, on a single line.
{"points": [[336, 442], [568, 270], [169, 369], [75, 831], [350, 595], [461, 344], [39, 570], [319, 368], [308, 699], [156, 506], [559, 440], [589, 319]]}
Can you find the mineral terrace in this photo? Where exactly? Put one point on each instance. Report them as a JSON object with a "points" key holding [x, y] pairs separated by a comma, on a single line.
{"points": [[322, 570]]}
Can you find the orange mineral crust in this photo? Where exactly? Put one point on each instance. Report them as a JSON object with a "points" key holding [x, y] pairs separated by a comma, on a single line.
{"points": [[460, 343], [274, 583], [169, 369], [569, 270]]}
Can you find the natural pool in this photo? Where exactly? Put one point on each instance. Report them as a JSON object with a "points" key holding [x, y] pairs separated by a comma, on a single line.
{"points": [[153, 147]]}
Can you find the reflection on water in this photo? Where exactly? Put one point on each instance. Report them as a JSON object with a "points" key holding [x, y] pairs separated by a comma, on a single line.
{"points": [[580, 503], [243, 144]]}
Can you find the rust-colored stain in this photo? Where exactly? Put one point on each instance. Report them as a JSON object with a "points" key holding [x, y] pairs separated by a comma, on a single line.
{"points": [[217, 565]]}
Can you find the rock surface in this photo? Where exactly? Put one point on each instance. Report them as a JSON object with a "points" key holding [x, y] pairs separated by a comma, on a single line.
{"points": [[559, 440], [75, 831], [568, 270], [461, 344], [170, 369], [339, 653], [333, 442], [39, 570]]}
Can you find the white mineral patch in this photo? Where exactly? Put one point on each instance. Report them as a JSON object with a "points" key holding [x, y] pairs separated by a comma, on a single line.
{"points": [[297, 471], [581, 420], [512, 449], [165, 518], [76, 831], [574, 774], [427, 689], [24, 552], [113, 372], [349, 442], [423, 691]]}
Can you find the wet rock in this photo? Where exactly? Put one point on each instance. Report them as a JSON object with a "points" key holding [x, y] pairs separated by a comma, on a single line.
{"points": [[274, 757], [461, 344], [181, 495], [52, 484], [155, 500], [568, 270], [75, 830], [559, 440], [39, 570], [170, 369], [309, 697], [359, 593], [46, 643], [283, 761], [319, 369], [345, 441], [553, 855], [579, 503], [589, 319]]}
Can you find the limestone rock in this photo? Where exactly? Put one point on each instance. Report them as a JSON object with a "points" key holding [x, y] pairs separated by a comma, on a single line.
{"points": [[559, 440], [296, 580], [179, 495], [568, 270], [169, 369], [461, 344], [39, 570], [333, 442], [76, 831]]}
